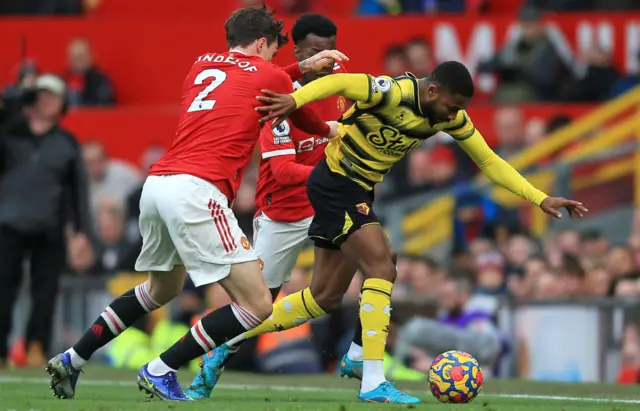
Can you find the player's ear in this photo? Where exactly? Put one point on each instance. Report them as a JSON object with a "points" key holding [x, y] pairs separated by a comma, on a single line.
{"points": [[432, 90], [296, 53]]}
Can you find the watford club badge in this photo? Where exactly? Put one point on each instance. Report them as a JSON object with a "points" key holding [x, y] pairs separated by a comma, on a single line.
{"points": [[363, 208], [245, 243]]}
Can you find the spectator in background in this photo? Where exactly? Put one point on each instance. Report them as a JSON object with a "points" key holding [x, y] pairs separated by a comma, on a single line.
{"points": [[112, 244], [377, 7], [593, 243], [622, 265], [509, 127], [627, 83], [597, 79], [42, 183], [419, 57], [529, 67], [87, 84], [108, 178], [395, 61], [560, 5], [13, 96], [466, 325]]}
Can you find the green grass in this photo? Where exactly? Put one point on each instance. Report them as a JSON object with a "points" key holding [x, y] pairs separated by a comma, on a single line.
{"points": [[103, 389]]}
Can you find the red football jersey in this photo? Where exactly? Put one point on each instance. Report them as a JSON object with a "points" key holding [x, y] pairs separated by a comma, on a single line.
{"points": [[218, 126], [287, 157]]}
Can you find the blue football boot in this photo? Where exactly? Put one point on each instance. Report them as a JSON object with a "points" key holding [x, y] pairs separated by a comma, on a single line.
{"points": [[350, 368], [209, 374], [165, 387], [389, 394], [63, 376]]}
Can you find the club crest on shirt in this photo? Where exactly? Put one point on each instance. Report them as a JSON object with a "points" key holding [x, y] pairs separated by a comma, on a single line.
{"points": [[342, 103], [245, 243], [363, 208]]}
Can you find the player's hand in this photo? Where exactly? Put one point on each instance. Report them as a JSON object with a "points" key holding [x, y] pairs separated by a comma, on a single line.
{"points": [[276, 106], [333, 132], [322, 60], [552, 206]]}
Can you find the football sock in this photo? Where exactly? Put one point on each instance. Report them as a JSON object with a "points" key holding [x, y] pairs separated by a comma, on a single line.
{"points": [[375, 314], [117, 317], [288, 312], [233, 349], [77, 362], [214, 329]]}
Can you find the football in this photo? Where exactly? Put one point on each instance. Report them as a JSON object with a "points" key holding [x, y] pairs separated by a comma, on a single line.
{"points": [[455, 377]]}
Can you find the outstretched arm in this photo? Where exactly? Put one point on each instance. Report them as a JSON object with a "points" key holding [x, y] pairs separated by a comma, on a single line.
{"points": [[501, 173]]}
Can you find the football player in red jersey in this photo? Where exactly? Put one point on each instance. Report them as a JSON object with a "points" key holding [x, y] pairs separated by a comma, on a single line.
{"points": [[284, 213], [186, 221]]}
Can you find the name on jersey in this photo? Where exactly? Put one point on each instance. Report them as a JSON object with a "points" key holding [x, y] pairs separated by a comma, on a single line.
{"points": [[389, 141], [217, 58]]}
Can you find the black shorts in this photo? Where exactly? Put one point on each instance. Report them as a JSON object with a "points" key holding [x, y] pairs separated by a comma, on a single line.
{"points": [[341, 207]]}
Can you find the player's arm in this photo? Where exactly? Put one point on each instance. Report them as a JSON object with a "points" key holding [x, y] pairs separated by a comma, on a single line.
{"points": [[500, 172], [363, 88], [306, 119], [277, 148], [325, 58]]}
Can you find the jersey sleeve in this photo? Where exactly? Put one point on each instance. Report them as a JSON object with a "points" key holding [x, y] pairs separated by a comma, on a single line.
{"points": [[497, 169], [460, 128], [278, 149], [363, 88], [304, 118], [293, 71]]}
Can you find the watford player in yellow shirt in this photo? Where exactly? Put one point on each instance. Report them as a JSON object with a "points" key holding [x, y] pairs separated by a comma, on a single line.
{"points": [[389, 119]]}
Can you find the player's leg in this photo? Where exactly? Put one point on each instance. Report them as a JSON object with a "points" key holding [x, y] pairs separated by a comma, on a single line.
{"points": [[278, 244], [166, 279], [213, 249], [351, 364], [368, 248]]}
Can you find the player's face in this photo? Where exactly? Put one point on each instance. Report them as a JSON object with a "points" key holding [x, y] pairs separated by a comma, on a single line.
{"points": [[443, 106], [311, 45], [265, 50]]}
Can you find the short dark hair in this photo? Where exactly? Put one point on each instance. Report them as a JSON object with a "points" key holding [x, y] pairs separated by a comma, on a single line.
{"points": [[317, 24], [453, 77], [250, 24]]}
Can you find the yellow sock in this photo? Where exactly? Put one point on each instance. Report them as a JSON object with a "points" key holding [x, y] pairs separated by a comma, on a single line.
{"points": [[288, 312], [375, 313]]}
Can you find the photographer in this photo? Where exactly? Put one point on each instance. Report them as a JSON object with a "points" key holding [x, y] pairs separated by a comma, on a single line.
{"points": [[42, 178]]}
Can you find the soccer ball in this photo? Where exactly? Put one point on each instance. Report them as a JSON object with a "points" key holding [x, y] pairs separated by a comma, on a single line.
{"points": [[455, 377]]}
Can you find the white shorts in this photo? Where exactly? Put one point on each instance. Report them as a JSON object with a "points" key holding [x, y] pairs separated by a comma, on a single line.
{"points": [[278, 246], [185, 220]]}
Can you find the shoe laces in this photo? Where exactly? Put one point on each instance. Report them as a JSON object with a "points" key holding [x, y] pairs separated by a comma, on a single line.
{"points": [[171, 382]]}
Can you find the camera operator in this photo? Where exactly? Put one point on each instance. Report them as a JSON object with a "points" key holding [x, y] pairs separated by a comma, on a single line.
{"points": [[42, 183]]}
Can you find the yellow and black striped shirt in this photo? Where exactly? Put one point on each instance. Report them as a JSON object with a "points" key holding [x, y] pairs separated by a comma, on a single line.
{"points": [[387, 122]]}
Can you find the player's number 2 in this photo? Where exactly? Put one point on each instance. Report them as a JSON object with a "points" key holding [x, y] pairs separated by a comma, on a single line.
{"points": [[199, 103]]}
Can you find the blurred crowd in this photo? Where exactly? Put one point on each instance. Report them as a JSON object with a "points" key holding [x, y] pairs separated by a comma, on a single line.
{"points": [[531, 67], [379, 7]]}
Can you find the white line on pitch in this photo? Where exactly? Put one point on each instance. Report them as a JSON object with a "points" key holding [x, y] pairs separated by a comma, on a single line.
{"points": [[112, 383]]}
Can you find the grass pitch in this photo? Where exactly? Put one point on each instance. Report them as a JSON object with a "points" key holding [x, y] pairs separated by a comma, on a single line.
{"points": [[103, 389]]}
